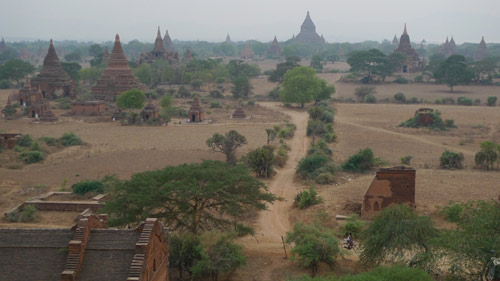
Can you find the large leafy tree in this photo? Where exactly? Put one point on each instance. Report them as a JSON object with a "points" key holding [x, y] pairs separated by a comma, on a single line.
{"points": [[261, 161], [16, 69], [484, 69], [453, 71], [326, 91], [227, 144], [300, 85], [242, 87], [281, 68], [476, 239], [398, 234], [131, 99], [488, 156], [195, 197], [313, 245], [373, 63]]}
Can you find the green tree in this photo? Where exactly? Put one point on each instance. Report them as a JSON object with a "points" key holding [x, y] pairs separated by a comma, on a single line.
{"points": [[96, 51], [261, 161], [300, 85], [470, 245], [131, 99], [73, 70], [492, 101], [315, 128], [360, 162], [488, 156], [326, 91], [317, 63], [242, 87], [143, 73], [364, 91], [398, 234], [271, 135], [195, 197], [278, 74], [17, 69], [227, 144], [313, 245], [237, 68], [185, 251], [483, 69], [74, 56], [372, 63], [451, 160], [91, 74], [220, 257], [453, 71]]}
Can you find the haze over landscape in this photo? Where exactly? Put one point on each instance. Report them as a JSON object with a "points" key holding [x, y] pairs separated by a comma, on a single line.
{"points": [[338, 21]]}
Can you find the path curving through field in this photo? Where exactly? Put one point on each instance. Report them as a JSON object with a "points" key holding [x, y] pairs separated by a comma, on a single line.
{"points": [[274, 223]]}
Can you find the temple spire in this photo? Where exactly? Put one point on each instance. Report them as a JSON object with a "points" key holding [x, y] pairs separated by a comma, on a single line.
{"points": [[159, 33], [405, 32]]}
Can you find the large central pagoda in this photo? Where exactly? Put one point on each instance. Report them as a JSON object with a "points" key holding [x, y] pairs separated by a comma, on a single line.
{"points": [[308, 33], [117, 77]]}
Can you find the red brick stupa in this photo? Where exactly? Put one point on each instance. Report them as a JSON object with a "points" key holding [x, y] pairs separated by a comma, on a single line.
{"points": [[53, 81], [246, 53], [117, 77]]}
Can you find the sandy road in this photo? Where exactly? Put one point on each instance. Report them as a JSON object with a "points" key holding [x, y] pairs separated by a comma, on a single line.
{"points": [[274, 223]]}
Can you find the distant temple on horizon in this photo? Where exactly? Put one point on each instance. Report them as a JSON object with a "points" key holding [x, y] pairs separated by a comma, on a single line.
{"points": [[274, 51], [413, 63], [308, 34], [482, 50], [159, 51], [448, 48]]}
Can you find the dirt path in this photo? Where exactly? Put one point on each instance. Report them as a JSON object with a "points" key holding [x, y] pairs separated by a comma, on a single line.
{"points": [[274, 223]]}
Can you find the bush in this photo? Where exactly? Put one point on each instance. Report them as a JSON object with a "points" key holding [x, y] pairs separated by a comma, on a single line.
{"points": [[329, 138], [308, 166], [31, 157], [492, 101], [452, 212], [414, 100], [324, 178], [27, 214], [362, 92], [448, 100], [451, 160], [35, 147], [464, 101], [360, 162], [70, 139], [286, 133], [307, 198], [401, 80], [281, 157], [25, 141], [85, 187], [216, 94], [4, 84], [371, 99], [274, 94], [215, 104], [438, 101], [406, 159], [400, 97], [353, 225], [50, 141], [477, 101], [449, 123]]}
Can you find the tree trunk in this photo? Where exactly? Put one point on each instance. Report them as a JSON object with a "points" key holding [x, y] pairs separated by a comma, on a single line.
{"points": [[302, 105], [451, 88]]}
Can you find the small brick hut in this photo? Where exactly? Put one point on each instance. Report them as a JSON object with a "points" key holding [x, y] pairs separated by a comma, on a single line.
{"points": [[187, 56], [88, 251], [88, 107], [390, 186], [53, 81], [150, 112], [117, 77], [196, 113], [9, 141]]}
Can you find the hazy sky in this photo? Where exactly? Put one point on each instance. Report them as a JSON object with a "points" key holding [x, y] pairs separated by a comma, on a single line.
{"points": [[211, 20]]}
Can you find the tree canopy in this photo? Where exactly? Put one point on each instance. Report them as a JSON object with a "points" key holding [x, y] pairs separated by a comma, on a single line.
{"points": [[374, 63], [16, 69], [278, 74], [190, 197], [131, 99], [227, 144], [300, 85], [453, 71]]}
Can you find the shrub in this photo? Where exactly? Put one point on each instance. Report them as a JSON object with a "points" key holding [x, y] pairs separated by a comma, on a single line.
{"points": [[216, 94], [438, 101], [360, 162], [488, 156], [414, 100], [329, 138], [281, 157], [85, 187], [371, 99], [452, 212], [327, 117], [50, 141], [70, 139], [406, 159], [451, 160], [215, 104], [448, 100], [286, 133], [353, 225], [464, 101], [25, 141], [307, 198], [477, 101], [308, 165], [35, 146], [492, 101], [362, 92], [4, 84], [400, 97], [274, 94], [449, 123], [324, 178], [320, 147], [31, 157], [401, 80], [27, 214]]}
